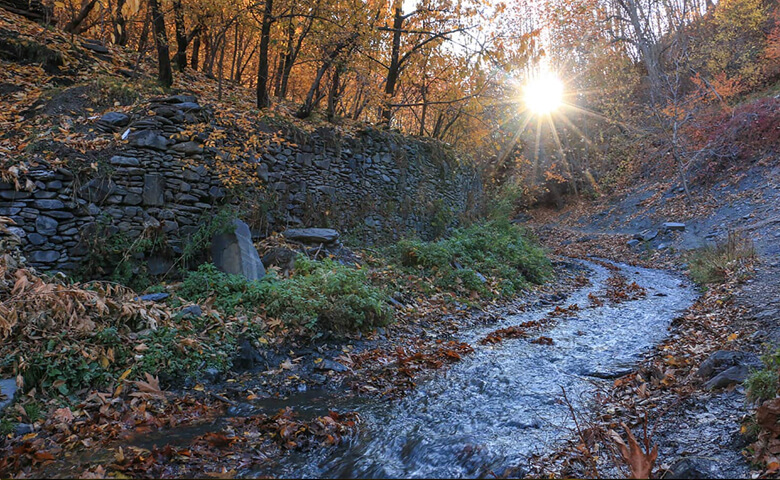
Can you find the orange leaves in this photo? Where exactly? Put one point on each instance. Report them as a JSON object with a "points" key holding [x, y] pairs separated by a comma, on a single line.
{"points": [[640, 462]]}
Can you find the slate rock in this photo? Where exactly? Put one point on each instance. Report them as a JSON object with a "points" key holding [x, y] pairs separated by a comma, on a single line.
{"points": [[153, 297], [722, 360], [235, 253], [97, 189], [189, 107], [7, 390], [188, 148], [115, 119], [728, 377], [95, 47], [179, 99], [46, 226], [154, 190], [48, 204], [248, 358], [23, 429], [120, 161], [191, 311], [44, 256], [673, 226], [312, 235], [330, 365], [148, 139], [158, 265], [694, 467], [633, 242]]}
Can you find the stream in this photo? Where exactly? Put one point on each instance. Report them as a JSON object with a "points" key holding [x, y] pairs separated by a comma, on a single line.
{"points": [[503, 403]]}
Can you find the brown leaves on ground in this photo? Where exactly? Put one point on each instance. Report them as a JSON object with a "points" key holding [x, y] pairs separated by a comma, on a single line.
{"points": [[393, 372], [499, 335], [149, 389], [640, 461]]}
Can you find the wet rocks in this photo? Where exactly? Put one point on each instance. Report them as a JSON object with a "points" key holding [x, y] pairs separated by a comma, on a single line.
{"points": [[330, 365], [112, 121], [727, 367], [694, 467], [235, 253]]}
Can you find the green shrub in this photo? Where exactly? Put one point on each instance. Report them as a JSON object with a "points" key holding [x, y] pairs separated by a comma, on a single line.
{"points": [[495, 249], [168, 352], [712, 264], [322, 295], [763, 384]]}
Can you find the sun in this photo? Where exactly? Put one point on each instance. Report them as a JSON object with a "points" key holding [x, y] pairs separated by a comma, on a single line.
{"points": [[543, 94]]}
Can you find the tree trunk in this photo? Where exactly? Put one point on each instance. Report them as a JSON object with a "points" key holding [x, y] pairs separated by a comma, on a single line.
{"points": [[75, 23], [395, 64], [308, 104], [34, 10], [181, 36], [165, 75], [195, 52], [263, 97], [120, 25], [221, 71], [334, 93]]}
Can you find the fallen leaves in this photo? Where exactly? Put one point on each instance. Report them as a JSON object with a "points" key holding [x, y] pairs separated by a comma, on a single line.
{"points": [[640, 462], [149, 389]]}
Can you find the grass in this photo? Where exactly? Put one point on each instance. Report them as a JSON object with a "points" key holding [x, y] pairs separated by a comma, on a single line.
{"points": [[471, 258], [714, 263]]}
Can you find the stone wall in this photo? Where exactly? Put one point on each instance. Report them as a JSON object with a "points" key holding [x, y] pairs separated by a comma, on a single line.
{"points": [[374, 186]]}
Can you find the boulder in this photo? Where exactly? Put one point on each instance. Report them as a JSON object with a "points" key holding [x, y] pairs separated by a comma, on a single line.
{"points": [[148, 139], [235, 253], [722, 361], [312, 235], [728, 377]]}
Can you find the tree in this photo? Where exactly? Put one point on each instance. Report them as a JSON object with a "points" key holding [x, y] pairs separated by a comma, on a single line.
{"points": [[164, 75], [263, 96]]}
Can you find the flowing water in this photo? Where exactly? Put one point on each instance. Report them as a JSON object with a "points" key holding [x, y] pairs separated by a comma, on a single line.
{"points": [[502, 403]]}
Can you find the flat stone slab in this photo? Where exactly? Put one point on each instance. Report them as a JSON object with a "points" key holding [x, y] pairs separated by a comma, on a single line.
{"points": [[311, 235], [7, 392], [674, 226]]}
